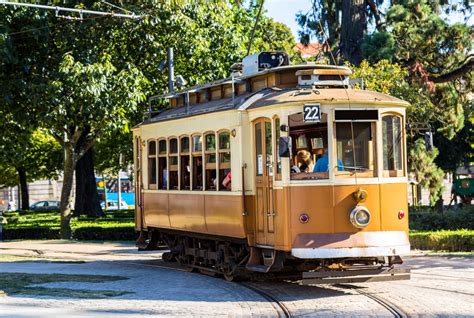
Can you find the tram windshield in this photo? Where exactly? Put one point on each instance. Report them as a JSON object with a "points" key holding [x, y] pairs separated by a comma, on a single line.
{"points": [[355, 149], [309, 158]]}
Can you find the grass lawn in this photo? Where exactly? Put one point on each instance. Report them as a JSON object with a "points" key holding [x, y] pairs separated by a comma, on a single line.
{"points": [[27, 284]]}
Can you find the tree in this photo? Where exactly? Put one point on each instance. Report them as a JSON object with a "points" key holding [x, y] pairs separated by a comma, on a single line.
{"points": [[341, 25], [27, 156], [85, 101]]}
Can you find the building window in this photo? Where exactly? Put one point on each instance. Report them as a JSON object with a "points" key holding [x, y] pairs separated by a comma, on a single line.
{"points": [[355, 149], [197, 167], [173, 164], [210, 176], [152, 164], [225, 176], [162, 165], [185, 167], [392, 146]]}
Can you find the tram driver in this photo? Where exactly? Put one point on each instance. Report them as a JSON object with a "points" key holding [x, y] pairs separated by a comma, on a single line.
{"points": [[323, 162]]}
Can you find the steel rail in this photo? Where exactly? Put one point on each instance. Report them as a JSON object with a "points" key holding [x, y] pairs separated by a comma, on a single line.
{"points": [[279, 306], [392, 308]]}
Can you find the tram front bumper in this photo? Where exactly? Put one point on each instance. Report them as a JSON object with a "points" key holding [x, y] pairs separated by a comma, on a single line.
{"points": [[342, 245]]}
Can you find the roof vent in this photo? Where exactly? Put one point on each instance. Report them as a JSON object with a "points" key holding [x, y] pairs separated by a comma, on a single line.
{"points": [[261, 61], [324, 77]]}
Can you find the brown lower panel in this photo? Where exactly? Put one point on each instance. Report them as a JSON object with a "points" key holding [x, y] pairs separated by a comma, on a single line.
{"points": [[359, 239], [200, 213]]}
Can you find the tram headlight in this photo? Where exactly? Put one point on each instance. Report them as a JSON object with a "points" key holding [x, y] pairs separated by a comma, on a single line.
{"points": [[360, 216]]}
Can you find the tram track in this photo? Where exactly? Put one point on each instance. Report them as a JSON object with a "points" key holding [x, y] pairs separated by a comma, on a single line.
{"points": [[279, 306], [391, 307]]}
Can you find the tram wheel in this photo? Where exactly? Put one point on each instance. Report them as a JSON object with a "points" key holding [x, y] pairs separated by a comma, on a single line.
{"points": [[168, 257], [228, 276]]}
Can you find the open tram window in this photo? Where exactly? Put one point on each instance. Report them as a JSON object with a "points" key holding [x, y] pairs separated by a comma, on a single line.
{"points": [[210, 162], [225, 176], [392, 146], [309, 158], [197, 167], [152, 164], [173, 164], [355, 149], [162, 165], [185, 168]]}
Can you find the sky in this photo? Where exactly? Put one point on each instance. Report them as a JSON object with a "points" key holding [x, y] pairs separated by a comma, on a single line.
{"points": [[285, 11]]}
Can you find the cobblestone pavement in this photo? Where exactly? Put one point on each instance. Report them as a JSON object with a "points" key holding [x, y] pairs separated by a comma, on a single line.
{"points": [[440, 286]]}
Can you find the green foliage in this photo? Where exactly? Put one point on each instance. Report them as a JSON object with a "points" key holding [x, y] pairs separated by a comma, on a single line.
{"points": [[432, 221], [115, 226], [454, 241], [427, 173], [36, 152], [378, 46]]}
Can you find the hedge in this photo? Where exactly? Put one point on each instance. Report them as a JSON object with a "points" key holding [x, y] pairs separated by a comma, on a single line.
{"points": [[434, 221], [96, 233], [452, 241]]}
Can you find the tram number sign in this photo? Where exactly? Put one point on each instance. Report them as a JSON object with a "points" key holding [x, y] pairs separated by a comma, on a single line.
{"points": [[311, 113]]}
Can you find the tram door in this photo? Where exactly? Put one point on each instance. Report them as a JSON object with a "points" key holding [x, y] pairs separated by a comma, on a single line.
{"points": [[264, 182], [138, 182]]}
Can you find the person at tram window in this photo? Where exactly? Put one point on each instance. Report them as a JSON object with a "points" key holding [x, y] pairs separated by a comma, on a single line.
{"points": [[305, 163], [323, 162], [227, 182]]}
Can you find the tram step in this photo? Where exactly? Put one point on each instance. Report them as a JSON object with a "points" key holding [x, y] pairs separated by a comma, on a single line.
{"points": [[355, 276], [258, 268]]}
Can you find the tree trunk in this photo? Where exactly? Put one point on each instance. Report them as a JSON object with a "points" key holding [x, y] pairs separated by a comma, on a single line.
{"points": [[87, 197], [25, 196], [353, 26], [65, 205]]}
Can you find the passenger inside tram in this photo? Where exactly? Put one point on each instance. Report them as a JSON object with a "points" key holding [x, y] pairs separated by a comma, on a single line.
{"points": [[309, 145]]}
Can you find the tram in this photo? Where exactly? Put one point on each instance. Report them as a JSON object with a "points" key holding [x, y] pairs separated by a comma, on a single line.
{"points": [[278, 168]]}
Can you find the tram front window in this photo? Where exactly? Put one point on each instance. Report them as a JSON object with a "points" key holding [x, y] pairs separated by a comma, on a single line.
{"points": [[355, 149], [309, 160]]}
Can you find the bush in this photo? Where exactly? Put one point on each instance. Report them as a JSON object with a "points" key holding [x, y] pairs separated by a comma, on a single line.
{"points": [[31, 233], [452, 241], [97, 233], [433, 221]]}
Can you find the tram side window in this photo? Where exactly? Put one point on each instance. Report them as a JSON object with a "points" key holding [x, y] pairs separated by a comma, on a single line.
{"points": [[197, 163], [173, 164], [185, 168], [258, 149], [162, 166], [392, 146], [152, 164], [277, 149], [355, 149], [225, 176], [310, 157], [210, 162]]}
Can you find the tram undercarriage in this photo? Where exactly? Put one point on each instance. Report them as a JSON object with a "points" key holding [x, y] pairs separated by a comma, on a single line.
{"points": [[235, 259]]}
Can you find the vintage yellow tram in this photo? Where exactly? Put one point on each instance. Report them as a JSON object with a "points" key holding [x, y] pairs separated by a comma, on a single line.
{"points": [[278, 167]]}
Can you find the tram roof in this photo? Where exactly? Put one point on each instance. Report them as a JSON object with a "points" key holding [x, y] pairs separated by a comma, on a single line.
{"points": [[275, 96]]}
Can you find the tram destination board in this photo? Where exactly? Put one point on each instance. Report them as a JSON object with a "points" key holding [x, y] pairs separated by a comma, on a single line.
{"points": [[311, 113]]}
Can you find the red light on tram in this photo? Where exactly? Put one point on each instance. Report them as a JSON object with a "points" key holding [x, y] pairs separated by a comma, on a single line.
{"points": [[401, 214]]}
